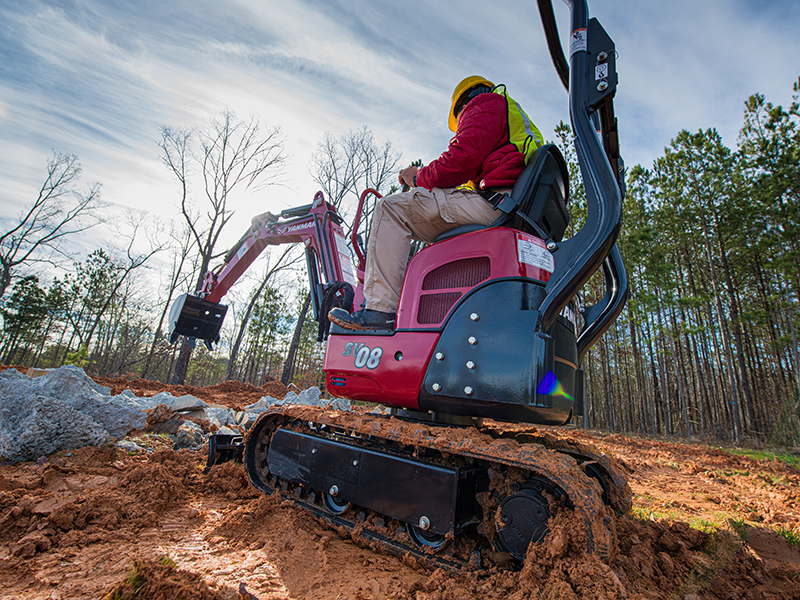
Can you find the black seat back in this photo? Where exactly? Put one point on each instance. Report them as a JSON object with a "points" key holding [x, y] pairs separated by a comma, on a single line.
{"points": [[542, 192]]}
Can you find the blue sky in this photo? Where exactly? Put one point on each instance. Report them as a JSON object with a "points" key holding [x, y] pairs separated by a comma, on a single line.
{"points": [[98, 78]]}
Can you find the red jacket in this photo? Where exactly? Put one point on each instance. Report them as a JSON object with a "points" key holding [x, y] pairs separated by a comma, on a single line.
{"points": [[479, 152]]}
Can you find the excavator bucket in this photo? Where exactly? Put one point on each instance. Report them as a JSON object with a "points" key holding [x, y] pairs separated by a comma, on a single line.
{"points": [[194, 317]]}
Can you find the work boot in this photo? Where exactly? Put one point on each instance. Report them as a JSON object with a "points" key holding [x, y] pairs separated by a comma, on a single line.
{"points": [[362, 320]]}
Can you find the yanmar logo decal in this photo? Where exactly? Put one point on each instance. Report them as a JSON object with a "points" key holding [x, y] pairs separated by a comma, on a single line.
{"points": [[298, 227]]}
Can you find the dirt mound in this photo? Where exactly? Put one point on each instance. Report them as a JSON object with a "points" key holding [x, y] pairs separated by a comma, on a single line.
{"points": [[156, 579], [229, 479]]}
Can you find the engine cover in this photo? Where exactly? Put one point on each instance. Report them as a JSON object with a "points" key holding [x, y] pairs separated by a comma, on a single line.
{"points": [[490, 362]]}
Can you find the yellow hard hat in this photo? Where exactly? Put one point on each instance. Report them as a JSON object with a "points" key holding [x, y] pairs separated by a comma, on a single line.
{"points": [[464, 86]]}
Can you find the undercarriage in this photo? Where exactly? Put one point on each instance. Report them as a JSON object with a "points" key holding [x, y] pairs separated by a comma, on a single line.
{"points": [[453, 497]]}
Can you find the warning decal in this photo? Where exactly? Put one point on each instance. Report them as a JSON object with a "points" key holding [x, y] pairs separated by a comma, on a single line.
{"points": [[346, 262], [577, 41], [531, 251], [242, 250]]}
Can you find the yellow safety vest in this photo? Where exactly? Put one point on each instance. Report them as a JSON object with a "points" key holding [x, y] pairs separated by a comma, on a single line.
{"points": [[521, 131]]}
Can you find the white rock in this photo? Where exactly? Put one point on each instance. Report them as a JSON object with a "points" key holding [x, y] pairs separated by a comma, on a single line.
{"points": [[339, 404], [12, 374], [220, 416], [186, 402], [59, 410], [189, 435], [262, 404], [129, 446]]}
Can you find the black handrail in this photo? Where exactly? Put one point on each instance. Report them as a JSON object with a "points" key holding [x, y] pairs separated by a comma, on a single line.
{"points": [[578, 258], [600, 316], [553, 43]]}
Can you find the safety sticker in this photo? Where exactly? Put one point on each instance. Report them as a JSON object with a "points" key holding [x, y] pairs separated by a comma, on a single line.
{"points": [[242, 250], [345, 261], [532, 251], [601, 71], [577, 41]]}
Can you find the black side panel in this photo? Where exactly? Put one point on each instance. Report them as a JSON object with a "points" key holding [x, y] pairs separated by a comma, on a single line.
{"points": [[394, 486], [490, 362]]}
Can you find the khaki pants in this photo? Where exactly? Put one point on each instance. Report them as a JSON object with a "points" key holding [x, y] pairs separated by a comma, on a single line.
{"points": [[418, 214]]}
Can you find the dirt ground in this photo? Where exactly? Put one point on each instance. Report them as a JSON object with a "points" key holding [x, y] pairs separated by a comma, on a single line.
{"points": [[97, 522]]}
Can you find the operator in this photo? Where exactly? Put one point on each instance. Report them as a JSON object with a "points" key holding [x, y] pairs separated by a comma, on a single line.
{"points": [[493, 139]]}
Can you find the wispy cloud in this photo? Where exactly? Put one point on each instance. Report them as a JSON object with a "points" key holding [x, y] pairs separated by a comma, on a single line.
{"points": [[99, 78]]}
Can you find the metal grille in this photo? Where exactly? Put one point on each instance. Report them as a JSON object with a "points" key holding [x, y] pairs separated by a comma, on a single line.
{"points": [[433, 307], [467, 272]]}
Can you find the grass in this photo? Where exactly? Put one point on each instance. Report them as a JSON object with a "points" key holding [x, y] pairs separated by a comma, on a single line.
{"points": [[664, 514], [783, 456], [134, 580], [166, 561], [790, 536], [710, 524]]}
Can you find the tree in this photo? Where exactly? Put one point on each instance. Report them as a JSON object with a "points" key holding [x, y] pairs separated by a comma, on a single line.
{"points": [[345, 166], [23, 312], [180, 246], [102, 278], [60, 210], [279, 265], [289, 364], [230, 154]]}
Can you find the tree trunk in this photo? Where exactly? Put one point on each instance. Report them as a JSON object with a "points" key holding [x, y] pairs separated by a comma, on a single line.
{"points": [[182, 363], [288, 366]]}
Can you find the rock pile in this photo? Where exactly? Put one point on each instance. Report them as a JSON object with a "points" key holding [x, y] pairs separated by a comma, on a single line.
{"points": [[64, 408], [61, 409]]}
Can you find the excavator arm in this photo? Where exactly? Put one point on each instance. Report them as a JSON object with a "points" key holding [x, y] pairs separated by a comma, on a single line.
{"points": [[317, 226]]}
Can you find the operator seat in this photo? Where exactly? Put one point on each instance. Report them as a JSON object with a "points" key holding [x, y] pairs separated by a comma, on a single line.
{"points": [[541, 192]]}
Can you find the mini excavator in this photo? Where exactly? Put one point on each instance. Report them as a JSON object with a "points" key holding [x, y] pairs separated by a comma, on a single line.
{"points": [[489, 339]]}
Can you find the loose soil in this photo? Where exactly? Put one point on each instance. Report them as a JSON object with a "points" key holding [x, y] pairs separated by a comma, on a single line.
{"points": [[96, 522]]}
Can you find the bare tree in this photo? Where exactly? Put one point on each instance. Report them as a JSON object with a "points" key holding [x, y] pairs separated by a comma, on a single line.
{"points": [[347, 165], [178, 277], [282, 263], [231, 154], [59, 210], [289, 365], [130, 261]]}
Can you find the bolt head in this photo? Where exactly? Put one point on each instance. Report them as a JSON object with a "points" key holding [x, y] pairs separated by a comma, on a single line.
{"points": [[468, 390], [424, 523], [436, 387], [355, 463], [470, 364], [473, 340], [602, 57], [439, 356], [602, 86], [551, 246], [474, 316], [334, 491]]}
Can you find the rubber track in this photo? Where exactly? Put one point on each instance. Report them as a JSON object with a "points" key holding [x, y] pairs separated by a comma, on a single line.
{"points": [[584, 493], [589, 457]]}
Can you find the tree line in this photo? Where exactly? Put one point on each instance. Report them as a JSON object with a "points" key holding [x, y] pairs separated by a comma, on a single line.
{"points": [[711, 238], [707, 345]]}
